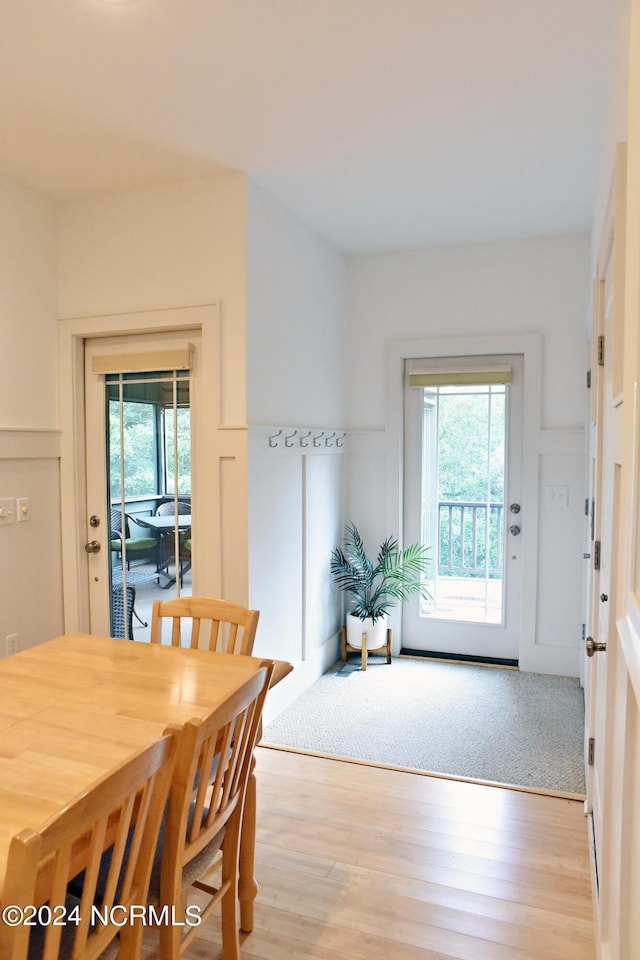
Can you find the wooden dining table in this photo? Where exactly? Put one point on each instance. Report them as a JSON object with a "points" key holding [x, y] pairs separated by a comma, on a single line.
{"points": [[76, 707]]}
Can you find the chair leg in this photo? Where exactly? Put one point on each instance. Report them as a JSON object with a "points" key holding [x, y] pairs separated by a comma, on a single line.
{"points": [[247, 887], [229, 903], [130, 938]]}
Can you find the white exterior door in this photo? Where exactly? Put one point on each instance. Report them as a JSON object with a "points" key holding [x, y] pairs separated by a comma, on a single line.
{"points": [[463, 498], [158, 396]]}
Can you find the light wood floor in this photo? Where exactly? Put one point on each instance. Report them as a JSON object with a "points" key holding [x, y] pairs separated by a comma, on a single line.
{"points": [[361, 863]]}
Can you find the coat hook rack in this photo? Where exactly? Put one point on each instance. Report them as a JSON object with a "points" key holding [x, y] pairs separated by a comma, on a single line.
{"points": [[288, 440], [340, 440], [304, 442], [316, 440], [273, 437], [327, 440]]}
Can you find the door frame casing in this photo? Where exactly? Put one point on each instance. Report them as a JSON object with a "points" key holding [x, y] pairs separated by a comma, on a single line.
{"points": [[530, 346], [72, 334]]}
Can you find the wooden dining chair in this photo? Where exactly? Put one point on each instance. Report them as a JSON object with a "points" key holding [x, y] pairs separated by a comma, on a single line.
{"points": [[206, 805], [232, 628], [121, 813]]}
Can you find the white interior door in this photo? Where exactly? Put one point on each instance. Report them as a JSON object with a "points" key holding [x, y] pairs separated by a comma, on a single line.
{"points": [[463, 499], [137, 422], [606, 473]]}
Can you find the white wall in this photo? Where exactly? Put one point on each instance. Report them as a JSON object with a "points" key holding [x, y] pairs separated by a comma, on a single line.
{"points": [[520, 287], [295, 383], [616, 121], [176, 245], [30, 562], [295, 319]]}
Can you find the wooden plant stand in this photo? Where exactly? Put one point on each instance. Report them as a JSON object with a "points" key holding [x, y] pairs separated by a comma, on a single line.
{"points": [[346, 648]]}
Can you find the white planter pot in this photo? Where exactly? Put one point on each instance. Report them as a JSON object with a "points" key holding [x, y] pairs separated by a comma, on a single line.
{"points": [[376, 632]]}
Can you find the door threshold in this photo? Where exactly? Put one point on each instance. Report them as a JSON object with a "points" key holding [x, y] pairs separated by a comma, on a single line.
{"points": [[459, 658]]}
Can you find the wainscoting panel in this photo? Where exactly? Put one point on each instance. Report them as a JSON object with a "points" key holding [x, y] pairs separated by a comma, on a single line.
{"points": [[295, 518], [30, 553]]}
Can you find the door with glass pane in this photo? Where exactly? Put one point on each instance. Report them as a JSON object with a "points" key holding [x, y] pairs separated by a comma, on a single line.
{"points": [[138, 443], [463, 455]]}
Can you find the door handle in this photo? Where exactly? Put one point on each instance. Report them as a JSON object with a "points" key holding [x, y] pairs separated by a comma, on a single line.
{"points": [[92, 547], [604, 597], [594, 647], [514, 529]]}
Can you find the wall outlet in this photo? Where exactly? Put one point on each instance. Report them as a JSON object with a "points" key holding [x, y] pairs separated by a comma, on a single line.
{"points": [[7, 510], [11, 644]]}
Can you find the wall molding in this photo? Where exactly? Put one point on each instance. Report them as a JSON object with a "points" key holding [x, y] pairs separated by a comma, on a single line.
{"points": [[29, 443]]}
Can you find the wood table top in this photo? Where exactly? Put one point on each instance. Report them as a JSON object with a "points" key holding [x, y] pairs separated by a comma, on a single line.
{"points": [[76, 707]]}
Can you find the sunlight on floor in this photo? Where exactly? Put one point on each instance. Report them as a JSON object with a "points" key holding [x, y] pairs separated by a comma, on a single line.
{"points": [[465, 598]]}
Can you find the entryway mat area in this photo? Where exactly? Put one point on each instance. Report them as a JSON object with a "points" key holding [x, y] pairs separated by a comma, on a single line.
{"points": [[484, 723]]}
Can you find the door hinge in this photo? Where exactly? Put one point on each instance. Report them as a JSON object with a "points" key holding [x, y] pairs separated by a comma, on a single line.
{"points": [[596, 554], [588, 379], [601, 350], [591, 751], [586, 507], [584, 632]]}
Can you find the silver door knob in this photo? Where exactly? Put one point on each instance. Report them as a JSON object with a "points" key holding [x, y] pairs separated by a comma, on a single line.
{"points": [[514, 529], [92, 547], [594, 647]]}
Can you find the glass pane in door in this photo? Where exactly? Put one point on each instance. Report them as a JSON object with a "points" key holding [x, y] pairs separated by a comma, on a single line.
{"points": [[149, 495], [463, 484]]}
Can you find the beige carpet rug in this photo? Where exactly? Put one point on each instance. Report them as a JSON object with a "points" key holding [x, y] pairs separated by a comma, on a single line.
{"points": [[483, 723]]}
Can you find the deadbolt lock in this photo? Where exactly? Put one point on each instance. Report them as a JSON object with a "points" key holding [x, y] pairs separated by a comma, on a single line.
{"points": [[94, 521], [515, 508]]}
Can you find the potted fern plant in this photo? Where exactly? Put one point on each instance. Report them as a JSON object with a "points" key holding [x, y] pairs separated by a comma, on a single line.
{"points": [[375, 588]]}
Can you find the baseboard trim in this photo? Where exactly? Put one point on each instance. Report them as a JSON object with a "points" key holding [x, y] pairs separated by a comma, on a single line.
{"points": [[457, 658]]}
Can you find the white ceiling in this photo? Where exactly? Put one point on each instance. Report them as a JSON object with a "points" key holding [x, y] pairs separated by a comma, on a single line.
{"points": [[381, 123]]}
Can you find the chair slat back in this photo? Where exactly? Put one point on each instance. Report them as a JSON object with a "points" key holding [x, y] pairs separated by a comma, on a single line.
{"points": [[232, 627], [122, 812], [210, 778]]}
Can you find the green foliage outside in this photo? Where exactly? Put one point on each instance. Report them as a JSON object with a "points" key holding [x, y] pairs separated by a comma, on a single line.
{"points": [[184, 450], [471, 469], [141, 461], [463, 447]]}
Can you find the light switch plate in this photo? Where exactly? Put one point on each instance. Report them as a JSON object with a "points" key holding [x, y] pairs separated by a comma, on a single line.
{"points": [[557, 496], [23, 509]]}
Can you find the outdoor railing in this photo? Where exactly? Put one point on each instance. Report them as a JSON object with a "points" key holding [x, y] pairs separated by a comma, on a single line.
{"points": [[466, 532]]}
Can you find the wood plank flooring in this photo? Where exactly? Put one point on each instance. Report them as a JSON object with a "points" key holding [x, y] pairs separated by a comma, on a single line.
{"points": [[356, 862]]}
